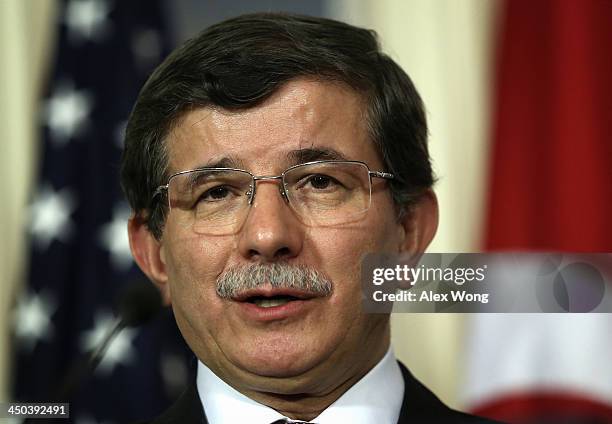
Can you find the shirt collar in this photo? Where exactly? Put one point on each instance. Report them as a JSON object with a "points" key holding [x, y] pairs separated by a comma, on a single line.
{"points": [[376, 397]]}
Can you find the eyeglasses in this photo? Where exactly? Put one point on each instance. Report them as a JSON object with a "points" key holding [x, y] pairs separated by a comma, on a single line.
{"points": [[321, 193]]}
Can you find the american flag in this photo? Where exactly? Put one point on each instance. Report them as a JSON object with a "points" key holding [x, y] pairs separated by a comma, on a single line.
{"points": [[79, 253]]}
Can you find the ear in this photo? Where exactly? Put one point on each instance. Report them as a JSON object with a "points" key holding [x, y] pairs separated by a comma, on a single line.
{"points": [[147, 253], [420, 225]]}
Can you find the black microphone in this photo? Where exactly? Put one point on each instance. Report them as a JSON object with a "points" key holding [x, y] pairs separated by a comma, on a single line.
{"points": [[137, 304]]}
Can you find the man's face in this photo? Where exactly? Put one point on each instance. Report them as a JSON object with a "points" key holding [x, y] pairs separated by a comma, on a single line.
{"points": [[326, 339]]}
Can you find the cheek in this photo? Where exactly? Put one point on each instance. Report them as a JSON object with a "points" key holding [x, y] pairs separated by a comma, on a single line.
{"points": [[193, 264], [340, 252], [342, 249]]}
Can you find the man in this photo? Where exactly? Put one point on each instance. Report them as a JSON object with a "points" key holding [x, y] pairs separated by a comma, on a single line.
{"points": [[263, 160]]}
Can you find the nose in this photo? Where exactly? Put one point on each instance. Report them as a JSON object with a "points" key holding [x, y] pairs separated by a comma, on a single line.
{"points": [[271, 231]]}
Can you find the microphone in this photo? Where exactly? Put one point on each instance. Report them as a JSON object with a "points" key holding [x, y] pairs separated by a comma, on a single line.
{"points": [[137, 304]]}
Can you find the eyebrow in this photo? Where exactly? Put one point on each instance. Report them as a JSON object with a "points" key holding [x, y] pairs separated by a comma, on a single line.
{"points": [[294, 157], [311, 154], [224, 162]]}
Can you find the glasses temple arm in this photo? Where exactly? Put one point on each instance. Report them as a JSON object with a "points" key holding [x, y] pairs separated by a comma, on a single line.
{"points": [[379, 174], [158, 192]]}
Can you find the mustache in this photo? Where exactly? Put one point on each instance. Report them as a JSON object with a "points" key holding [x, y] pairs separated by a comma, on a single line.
{"points": [[280, 275]]}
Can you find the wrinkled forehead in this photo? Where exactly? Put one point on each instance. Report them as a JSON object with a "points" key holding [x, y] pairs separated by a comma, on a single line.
{"points": [[303, 120]]}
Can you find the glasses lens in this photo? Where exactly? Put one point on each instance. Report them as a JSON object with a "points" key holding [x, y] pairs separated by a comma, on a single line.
{"points": [[330, 192], [211, 201]]}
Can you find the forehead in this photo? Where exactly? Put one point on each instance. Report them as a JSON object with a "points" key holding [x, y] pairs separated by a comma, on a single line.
{"points": [[302, 115]]}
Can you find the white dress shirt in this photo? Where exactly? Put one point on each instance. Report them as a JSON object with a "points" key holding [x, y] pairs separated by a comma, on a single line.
{"points": [[375, 398]]}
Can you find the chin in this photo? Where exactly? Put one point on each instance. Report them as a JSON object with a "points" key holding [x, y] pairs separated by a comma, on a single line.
{"points": [[283, 362]]}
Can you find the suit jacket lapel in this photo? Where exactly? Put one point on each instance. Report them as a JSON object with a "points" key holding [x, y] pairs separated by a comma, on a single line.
{"points": [[186, 410], [419, 403]]}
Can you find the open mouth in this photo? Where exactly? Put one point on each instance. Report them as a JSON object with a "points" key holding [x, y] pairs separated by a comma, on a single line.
{"points": [[266, 304], [268, 297], [270, 302]]}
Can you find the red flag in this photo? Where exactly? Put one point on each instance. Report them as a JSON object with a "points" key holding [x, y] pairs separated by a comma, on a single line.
{"points": [[550, 190], [551, 171]]}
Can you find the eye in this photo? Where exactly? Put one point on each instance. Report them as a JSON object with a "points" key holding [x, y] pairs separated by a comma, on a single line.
{"points": [[214, 194], [320, 181]]}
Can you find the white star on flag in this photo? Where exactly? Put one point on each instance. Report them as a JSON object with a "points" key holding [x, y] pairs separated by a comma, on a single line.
{"points": [[119, 351], [114, 238], [87, 20], [50, 216], [32, 319], [66, 112]]}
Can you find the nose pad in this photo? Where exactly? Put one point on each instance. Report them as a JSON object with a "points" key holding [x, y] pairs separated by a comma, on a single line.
{"points": [[282, 188], [250, 193]]}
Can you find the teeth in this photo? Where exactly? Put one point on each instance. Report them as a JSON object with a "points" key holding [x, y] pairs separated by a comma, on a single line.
{"points": [[269, 303]]}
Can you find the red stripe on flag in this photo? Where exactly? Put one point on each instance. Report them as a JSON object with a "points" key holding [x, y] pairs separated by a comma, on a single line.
{"points": [[542, 408], [551, 175]]}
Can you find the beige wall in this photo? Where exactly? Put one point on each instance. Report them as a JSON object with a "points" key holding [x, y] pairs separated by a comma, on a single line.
{"points": [[445, 46], [24, 37]]}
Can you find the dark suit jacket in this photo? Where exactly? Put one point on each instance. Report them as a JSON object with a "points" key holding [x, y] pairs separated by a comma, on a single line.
{"points": [[419, 406]]}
